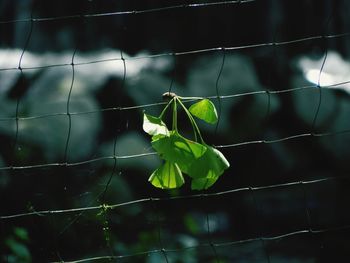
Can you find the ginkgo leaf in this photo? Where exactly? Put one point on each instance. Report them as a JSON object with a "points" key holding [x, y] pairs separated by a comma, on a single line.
{"points": [[204, 183], [176, 148], [154, 125], [167, 176], [204, 110], [209, 167]]}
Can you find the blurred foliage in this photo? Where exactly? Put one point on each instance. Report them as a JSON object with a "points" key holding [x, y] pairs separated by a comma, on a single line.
{"points": [[16, 244]]}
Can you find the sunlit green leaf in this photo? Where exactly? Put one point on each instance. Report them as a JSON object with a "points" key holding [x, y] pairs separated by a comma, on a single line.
{"points": [[176, 148], [204, 110], [154, 125], [157, 137], [204, 183], [208, 168], [167, 176]]}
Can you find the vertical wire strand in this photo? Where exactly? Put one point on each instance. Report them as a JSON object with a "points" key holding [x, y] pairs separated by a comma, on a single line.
{"points": [[217, 89], [209, 235], [116, 135], [18, 104], [27, 40], [319, 88], [68, 108], [314, 121], [215, 134], [25, 47], [267, 90], [21, 76], [313, 132], [114, 169], [259, 215], [266, 119], [101, 196], [65, 155], [159, 232], [157, 220]]}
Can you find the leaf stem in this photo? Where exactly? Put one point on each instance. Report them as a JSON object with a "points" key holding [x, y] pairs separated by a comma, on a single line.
{"points": [[174, 116], [166, 107], [193, 122]]}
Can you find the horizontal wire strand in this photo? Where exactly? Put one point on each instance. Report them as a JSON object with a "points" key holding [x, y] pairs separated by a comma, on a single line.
{"points": [[138, 155], [180, 197], [190, 52], [223, 244], [150, 105], [128, 12]]}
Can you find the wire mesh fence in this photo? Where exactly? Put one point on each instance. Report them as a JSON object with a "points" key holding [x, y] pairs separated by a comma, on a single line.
{"points": [[74, 161]]}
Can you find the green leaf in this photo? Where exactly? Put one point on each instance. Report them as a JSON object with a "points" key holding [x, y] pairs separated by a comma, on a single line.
{"points": [[167, 176], [154, 126], [204, 183], [158, 136], [208, 168], [178, 149], [204, 110]]}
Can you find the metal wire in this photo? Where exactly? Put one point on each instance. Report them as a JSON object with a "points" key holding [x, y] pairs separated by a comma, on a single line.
{"points": [[223, 244], [217, 90], [197, 51], [264, 141], [129, 12], [150, 105], [68, 110], [180, 197]]}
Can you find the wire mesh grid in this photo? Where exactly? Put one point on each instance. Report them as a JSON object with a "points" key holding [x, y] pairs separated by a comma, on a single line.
{"points": [[176, 226]]}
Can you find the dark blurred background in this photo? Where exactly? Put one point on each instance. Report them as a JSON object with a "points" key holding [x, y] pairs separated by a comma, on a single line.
{"points": [[282, 99]]}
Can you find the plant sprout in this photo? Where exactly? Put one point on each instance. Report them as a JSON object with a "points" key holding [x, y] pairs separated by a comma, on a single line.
{"points": [[202, 163]]}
